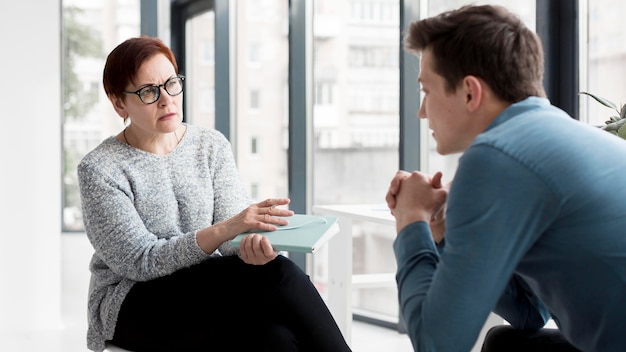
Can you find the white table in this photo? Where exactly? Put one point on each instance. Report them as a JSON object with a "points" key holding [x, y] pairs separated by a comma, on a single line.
{"points": [[340, 276], [340, 256]]}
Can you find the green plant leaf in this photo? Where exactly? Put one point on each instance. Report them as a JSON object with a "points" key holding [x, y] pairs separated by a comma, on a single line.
{"points": [[614, 126], [622, 131], [603, 101]]}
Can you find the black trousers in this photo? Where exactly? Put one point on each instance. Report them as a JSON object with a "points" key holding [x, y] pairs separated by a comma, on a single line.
{"points": [[505, 338], [224, 304]]}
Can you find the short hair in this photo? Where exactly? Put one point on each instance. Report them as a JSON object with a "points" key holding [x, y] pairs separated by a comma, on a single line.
{"points": [[122, 64], [485, 41]]}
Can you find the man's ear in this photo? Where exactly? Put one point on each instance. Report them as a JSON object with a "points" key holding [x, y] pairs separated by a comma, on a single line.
{"points": [[474, 92], [119, 106]]}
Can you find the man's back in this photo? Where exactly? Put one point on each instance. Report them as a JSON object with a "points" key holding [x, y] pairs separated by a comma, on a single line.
{"points": [[535, 216], [542, 193]]}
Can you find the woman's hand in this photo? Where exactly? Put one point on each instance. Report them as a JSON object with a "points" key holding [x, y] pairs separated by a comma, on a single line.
{"points": [[263, 216], [256, 249]]}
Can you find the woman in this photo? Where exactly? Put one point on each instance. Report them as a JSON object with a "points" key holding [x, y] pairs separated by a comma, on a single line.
{"points": [[161, 202]]}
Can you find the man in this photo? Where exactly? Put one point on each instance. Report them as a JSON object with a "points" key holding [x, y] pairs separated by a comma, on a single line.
{"points": [[535, 219]]}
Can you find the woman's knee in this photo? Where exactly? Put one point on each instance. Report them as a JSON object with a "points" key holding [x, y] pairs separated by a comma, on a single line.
{"points": [[277, 337]]}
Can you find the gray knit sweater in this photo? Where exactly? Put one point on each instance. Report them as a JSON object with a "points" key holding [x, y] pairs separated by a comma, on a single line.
{"points": [[142, 211]]}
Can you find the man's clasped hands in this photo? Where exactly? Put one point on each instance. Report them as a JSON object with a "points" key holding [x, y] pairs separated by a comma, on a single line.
{"points": [[416, 196]]}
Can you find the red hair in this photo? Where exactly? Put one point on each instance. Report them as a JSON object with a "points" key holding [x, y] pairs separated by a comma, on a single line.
{"points": [[124, 61]]}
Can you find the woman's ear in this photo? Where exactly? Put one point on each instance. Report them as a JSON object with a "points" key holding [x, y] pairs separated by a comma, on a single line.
{"points": [[119, 106], [474, 92]]}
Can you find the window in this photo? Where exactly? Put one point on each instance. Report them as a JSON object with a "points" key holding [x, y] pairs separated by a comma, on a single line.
{"points": [[207, 50], [246, 74], [604, 59], [324, 93], [355, 117], [356, 142], [254, 55], [206, 100], [255, 99], [373, 56], [261, 96], [91, 31], [199, 70], [254, 146], [254, 192]]}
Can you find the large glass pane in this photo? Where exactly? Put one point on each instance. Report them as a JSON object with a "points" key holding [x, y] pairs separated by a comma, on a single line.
{"points": [[200, 70], [91, 30], [259, 130], [605, 58], [258, 60], [261, 86], [355, 118]]}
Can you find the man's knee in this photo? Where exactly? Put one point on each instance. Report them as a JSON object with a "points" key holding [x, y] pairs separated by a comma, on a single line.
{"points": [[506, 338]]}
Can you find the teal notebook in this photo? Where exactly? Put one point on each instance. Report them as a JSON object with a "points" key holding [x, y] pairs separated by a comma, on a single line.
{"points": [[304, 233]]}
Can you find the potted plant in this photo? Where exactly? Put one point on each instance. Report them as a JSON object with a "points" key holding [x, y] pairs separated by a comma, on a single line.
{"points": [[615, 124]]}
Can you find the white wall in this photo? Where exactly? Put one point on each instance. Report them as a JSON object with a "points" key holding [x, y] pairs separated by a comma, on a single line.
{"points": [[30, 165]]}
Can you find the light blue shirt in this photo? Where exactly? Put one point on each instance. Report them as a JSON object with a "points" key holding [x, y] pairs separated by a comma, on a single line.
{"points": [[535, 227]]}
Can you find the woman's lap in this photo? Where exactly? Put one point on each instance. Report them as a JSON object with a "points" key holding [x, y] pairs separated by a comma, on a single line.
{"points": [[224, 303]]}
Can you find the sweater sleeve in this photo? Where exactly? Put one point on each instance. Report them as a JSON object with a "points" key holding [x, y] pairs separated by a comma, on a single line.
{"points": [[230, 195], [120, 236], [445, 299]]}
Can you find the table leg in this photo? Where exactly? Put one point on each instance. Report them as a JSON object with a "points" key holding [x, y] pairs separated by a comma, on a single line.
{"points": [[340, 277]]}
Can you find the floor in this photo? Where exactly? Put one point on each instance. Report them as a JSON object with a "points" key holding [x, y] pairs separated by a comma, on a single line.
{"points": [[71, 337]]}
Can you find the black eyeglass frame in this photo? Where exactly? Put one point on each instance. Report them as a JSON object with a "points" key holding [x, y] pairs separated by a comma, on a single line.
{"points": [[158, 91]]}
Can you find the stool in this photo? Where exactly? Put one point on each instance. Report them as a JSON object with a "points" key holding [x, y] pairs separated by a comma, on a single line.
{"points": [[108, 347]]}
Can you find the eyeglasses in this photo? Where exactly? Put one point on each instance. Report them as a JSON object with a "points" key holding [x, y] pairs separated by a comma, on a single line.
{"points": [[151, 93]]}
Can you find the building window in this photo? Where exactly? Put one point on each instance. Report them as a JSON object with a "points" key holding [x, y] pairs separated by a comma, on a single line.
{"points": [[373, 56], [254, 191], [254, 56], [206, 101], [207, 51], [254, 146], [324, 93], [255, 99]]}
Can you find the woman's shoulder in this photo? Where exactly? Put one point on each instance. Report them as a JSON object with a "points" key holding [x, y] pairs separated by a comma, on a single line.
{"points": [[102, 151], [206, 132], [105, 155], [204, 135]]}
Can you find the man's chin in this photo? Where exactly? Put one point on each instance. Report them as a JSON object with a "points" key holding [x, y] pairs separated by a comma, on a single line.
{"points": [[442, 150]]}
